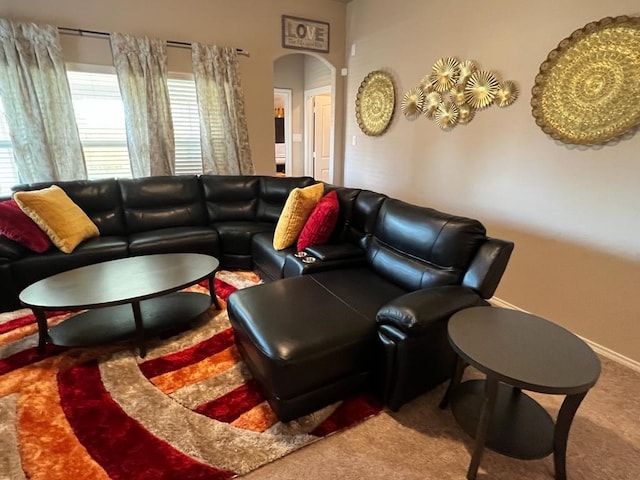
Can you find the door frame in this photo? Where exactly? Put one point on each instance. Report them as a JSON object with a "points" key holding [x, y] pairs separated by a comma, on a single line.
{"points": [[288, 131], [309, 128]]}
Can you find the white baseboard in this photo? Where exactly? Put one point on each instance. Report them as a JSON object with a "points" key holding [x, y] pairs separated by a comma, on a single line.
{"points": [[604, 351]]}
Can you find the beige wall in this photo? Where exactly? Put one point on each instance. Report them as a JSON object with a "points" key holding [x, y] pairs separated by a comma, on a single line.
{"points": [[253, 25], [574, 213]]}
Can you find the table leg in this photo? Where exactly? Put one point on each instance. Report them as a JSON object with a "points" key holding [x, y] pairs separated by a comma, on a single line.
{"points": [[454, 382], [43, 329], [140, 340], [212, 291], [561, 434], [490, 395]]}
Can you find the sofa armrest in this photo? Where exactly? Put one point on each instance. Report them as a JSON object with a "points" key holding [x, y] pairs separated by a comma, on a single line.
{"points": [[487, 267], [324, 257], [294, 267], [335, 251], [416, 313]]}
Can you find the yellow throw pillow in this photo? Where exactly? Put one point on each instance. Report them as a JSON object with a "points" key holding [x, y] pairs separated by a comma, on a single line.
{"points": [[296, 211], [58, 216]]}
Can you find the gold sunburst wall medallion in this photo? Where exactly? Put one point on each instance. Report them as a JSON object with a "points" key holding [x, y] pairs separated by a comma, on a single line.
{"points": [[375, 103], [588, 89], [455, 89]]}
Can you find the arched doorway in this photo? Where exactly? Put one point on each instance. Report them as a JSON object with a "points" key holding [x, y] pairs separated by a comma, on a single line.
{"points": [[306, 146]]}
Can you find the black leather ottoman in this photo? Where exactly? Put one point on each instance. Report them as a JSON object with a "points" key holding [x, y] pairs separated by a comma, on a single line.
{"points": [[305, 347]]}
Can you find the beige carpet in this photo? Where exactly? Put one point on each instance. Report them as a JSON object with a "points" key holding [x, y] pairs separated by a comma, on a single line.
{"points": [[423, 442]]}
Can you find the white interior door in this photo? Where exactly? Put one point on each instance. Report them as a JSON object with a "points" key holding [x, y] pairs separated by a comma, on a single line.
{"points": [[322, 137]]}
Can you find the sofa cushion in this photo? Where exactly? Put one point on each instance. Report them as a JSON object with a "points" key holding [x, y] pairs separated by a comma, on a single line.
{"points": [[273, 193], [154, 203], [358, 213], [61, 219], [321, 222], [360, 287], [296, 211], [36, 266], [418, 247], [267, 261], [230, 198], [17, 226], [175, 240], [235, 237]]}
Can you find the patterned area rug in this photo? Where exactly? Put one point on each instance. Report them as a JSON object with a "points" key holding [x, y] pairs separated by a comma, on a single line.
{"points": [[189, 410]]}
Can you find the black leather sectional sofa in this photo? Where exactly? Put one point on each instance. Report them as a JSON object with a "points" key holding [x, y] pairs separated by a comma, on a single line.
{"points": [[214, 215], [400, 270]]}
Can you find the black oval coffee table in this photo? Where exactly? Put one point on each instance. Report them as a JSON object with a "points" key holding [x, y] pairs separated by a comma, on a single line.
{"points": [[124, 299], [517, 351]]}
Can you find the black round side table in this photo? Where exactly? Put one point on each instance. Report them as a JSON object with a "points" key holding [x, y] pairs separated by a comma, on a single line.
{"points": [[517, 351]]}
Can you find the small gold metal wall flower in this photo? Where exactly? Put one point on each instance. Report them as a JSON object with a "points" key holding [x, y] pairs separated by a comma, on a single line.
{"points": [[412, 102], [457, 94], [481, 89], [431, 102], [454, 90], [506, 94], [467, 67], [445, 73], [446, 115], [465, 113]]}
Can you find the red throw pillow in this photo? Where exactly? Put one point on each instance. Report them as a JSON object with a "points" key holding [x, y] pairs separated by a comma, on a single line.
{"points": [[17, 226], [321, 222]]}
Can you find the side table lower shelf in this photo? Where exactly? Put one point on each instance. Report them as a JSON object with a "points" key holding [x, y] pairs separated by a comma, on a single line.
{"points": [[520, 427], [113, 324]]}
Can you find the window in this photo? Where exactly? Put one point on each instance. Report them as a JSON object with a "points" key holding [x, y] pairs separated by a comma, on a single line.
{"points": [[8, 172], [100, 117]]}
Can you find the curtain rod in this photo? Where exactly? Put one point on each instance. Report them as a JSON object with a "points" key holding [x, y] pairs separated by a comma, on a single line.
{"points": [[93, 33]]}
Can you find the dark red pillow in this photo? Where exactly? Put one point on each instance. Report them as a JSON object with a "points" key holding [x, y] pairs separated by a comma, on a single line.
{"points": [[17, 226], [321, 222]]}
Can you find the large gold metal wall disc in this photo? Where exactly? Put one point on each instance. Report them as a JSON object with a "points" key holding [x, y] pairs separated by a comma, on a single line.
{"points": [[588, 89], [375, 103]]}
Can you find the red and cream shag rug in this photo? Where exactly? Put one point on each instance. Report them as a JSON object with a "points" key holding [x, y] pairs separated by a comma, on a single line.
{"points": [[189, 410]]}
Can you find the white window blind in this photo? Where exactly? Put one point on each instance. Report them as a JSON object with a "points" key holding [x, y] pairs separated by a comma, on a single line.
{"points": [[186, 125], [8, 172]]}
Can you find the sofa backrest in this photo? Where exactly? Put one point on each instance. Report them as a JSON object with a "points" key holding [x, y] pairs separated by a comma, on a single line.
{"points": [[417, 247], [357, 215], [99, 199], [230, 197], [273, 193], [151, 203]]}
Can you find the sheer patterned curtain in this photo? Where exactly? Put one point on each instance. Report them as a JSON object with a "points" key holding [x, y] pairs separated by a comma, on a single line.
{"points": [[141, 66], [223, 125], [37, 102]]}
